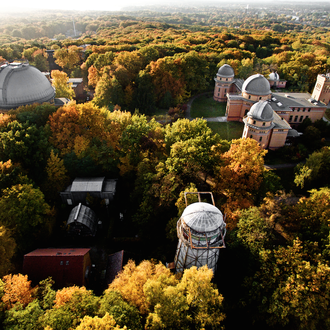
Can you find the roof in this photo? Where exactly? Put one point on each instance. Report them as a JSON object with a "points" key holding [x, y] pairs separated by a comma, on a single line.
{"points": [[87, 184], [261, 111], [280, 122], [55, 252], [226, 71], [83, 220], [256, 84], [22, 84], [202, 217], [293, 100]]}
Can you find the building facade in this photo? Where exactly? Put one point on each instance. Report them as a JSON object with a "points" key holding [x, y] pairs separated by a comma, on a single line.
{"points": [[289, 109]]}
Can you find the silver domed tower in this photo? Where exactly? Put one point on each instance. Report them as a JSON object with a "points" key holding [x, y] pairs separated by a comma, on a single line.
{"points": [[223, 81], [201, 232], [22, 84]]}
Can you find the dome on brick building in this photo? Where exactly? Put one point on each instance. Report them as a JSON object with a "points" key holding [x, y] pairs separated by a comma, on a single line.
{"points": [[256, 85], [22, 84], [274, 76], [226, 71], [261, 111]]}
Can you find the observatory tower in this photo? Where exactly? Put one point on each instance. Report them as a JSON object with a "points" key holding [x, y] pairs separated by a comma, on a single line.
{"points": [[201, 231]]}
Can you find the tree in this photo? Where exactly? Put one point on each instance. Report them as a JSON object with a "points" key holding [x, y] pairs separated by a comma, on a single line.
{"points": [[61, 84], [25, 212], [241, 175], [197, 303], [7, 250], [292, 288], [315, 172], [68, 58], [107, 322], [131, 280], [17, 289], [123, 313]]}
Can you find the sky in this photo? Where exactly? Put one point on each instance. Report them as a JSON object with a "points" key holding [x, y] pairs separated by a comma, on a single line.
{"points": [[107, 5]]}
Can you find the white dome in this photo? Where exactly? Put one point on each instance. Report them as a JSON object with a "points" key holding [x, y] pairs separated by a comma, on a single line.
{"points": [[202, 217], [261, 111], [22, 84], [256, 85], [274, 76]]}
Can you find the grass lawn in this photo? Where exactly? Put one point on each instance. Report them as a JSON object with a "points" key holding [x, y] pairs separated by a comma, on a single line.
{"points": [[228, 130], [204, 106]]}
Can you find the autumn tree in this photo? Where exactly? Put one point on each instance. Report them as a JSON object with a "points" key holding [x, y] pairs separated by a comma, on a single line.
{"points": [[60, 81], [241, 174], [25, 212], [7, 250], [197, 303], [17, 289], [292, 288], [68, 58], [131, 280], [107, 322]]}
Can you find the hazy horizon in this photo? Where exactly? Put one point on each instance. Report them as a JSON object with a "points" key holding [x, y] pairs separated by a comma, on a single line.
{"points": [[100, 5]]}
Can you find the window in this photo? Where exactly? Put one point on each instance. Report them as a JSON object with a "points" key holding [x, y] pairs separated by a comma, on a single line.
{"points": [[293, 109], [298, 109], [263, 124], [67, 262], [260, 139], [290, 119], [301, 119], [226, 79], [251, 136], [259, 97], [304, 109], [61, 262], [309, 109], [225, 91], [249, 97], [295, 118], [219, 90], [254, 122], [246, 111], [307, 117]]}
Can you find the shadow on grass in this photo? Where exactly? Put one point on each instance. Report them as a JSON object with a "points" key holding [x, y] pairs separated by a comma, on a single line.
{"points": [[204, 106], [227, 130]]}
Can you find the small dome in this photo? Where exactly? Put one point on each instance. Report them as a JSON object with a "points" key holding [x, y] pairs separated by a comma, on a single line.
{"points": [[22, 84], [256, 85], [274, 76], [261, 111], [226, 71], [203, 217]]}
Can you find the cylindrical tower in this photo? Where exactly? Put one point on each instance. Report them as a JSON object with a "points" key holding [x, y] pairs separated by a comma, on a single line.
{"points": [[201, 231]]}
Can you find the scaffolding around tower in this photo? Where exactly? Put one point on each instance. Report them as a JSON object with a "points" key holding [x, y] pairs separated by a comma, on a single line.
{"points": [[201, 231]]}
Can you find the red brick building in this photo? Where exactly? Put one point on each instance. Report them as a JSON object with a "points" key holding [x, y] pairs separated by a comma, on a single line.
{"points": [[66, 266]]}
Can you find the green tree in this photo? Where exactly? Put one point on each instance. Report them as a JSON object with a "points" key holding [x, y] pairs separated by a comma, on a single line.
{"points": [[25, 212], [7, 250]]}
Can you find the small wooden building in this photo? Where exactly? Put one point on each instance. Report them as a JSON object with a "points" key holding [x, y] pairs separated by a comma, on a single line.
{"points": [[66, 266]]}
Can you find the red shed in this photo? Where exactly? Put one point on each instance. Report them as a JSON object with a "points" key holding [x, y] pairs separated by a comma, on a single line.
{"points": [[66, 266]]}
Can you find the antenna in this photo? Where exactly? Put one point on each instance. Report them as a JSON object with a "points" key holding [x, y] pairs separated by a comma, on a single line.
{"points": [[74, 27]]}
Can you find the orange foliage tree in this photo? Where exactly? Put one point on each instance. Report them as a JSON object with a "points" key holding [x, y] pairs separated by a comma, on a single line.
{"points": [[17, 289]]}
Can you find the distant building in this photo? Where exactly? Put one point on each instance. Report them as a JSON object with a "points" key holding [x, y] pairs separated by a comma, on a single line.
{"points": [[273, 121], [66, 266], [80, 188], [22, 84], [275, 81]]}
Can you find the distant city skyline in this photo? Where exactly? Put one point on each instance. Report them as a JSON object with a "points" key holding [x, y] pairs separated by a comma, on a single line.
{"points": [[116, 5]]}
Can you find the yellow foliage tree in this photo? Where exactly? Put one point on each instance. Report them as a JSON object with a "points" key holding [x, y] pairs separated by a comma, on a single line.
{"points": [[96, 323], [131, 280], [64, 295], [17, 289], [61, 84]]}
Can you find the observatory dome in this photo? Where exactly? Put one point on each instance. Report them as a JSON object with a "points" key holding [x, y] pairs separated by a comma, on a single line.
{"points": [[202, 217], [274, 76], [261, 111], [256, 85], [226, 71], [22, 84]]}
